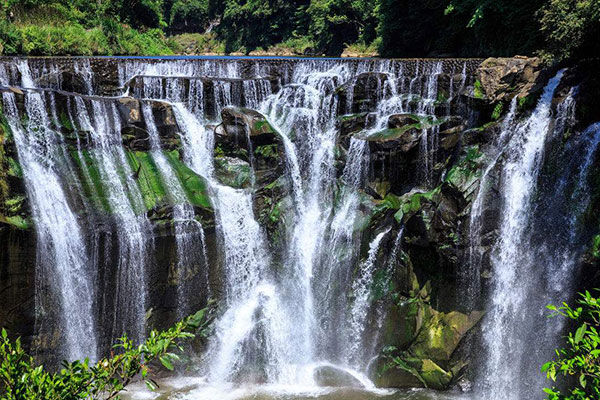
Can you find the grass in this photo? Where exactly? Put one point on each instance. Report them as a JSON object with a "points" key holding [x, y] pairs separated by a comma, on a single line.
{"points": [[71, 38]]}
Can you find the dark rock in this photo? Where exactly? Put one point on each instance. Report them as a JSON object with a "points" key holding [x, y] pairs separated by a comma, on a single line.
{"points": [[364, 91], [403, 139], [233, 172], [239, 123], [401, 120], [352, 123]]}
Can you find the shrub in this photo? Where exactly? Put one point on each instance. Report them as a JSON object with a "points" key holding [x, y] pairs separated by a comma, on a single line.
{"points": [[580, 358], [21, 379]]}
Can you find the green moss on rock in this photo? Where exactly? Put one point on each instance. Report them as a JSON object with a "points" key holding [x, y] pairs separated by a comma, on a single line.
{"points": [[441, 334], [233, 172], [91, 180], [434, 376]]}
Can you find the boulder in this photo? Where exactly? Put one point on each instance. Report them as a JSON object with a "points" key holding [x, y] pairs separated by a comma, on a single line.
{"points": [[405, 139], [391, 376], [442, 333], [401, 120], [352, 123], [332, 376], [233, 172], [500, 79], [239, 122], [133, 128]]}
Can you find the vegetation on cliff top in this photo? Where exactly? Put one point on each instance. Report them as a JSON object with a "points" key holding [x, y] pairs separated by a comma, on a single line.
{"points": [[557, 29]]}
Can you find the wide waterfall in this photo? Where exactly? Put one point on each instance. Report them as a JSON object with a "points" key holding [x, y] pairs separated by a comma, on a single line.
{"points": [[358, 223]]}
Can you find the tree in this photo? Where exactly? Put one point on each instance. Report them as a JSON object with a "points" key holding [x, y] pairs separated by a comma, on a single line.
{"points": [[410, 28], [189, 16], [571, 28], [250, 24], [335, 23], [21, 379], [580, 358]]}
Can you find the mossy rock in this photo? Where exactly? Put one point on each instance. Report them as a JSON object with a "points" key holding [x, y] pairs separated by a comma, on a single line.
{"points": [[413, 202], [233, 172], [193, 184], [391, 134], [442, 333], [403, 323], [434, 376], [404, 371], [352, 123], [239, 122]]}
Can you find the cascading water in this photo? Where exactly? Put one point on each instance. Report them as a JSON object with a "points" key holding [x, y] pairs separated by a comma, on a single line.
{"points": [[361, 289], [252, 307], [188, 231], [62, 249], [304, 301], [290, 334], [527, 274], [472, 276], [134, 230]]}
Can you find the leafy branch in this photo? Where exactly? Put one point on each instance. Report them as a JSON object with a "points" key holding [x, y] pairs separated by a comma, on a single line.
{"points": [[22, 379], [579, 360]]}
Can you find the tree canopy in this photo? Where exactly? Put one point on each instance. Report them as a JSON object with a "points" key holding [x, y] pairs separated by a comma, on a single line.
{"points": [[557, 29]]}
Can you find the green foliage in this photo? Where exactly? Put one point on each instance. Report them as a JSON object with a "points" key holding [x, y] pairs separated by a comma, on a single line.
{"points": [[596, 246], [22, 379], [249, 24], [410, 28], [580, 358], [336, 23], [571, 28], [497, 113], [197, 43], [189, 16], [557, 29], [478, 90]]}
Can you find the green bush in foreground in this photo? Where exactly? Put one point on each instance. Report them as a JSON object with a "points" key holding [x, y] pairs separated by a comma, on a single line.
{"points": [[579, 361], [21, 379]]}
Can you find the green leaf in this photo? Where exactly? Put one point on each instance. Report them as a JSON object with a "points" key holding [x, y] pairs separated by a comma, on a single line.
{"points": [[166, 362], [150, 384], [582, 380], [546, 366], [580, 333]]}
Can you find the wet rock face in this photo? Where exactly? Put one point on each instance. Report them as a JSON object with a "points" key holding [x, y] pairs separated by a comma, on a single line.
{"points": [[17, 281], [239, 123], [503, 78], [426, 322], [133, 128], [362, 92]]}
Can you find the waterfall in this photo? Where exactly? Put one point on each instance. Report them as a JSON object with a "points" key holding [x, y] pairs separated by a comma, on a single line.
{"points": [[188, 231], [343, 241], [511, 319], [123, 199], [472, 275], [61, 248], [361, 288], [137, 222], [252, 305]]}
